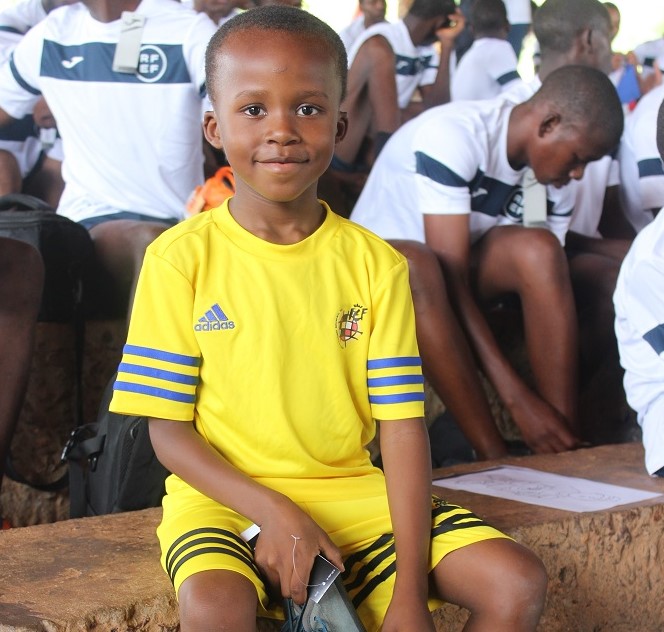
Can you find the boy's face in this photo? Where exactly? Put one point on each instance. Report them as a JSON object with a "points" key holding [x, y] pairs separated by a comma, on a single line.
{"points": [[562, 151], [374, 10], [276, 112]]}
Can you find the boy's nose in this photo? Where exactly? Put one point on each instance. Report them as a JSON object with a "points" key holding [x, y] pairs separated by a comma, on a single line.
{"points": [[282, 129]]}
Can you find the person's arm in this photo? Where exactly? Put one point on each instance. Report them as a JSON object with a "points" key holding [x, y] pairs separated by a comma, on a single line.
{"points": [[5, 119], [407, 464], [438, 92], [543, 428], [183, 451]]}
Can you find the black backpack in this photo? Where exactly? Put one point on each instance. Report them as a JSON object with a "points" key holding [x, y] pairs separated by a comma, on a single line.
{"points": [[112, 465], [67, 251]]}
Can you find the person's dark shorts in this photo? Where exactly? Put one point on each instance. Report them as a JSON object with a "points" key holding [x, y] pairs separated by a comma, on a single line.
{"points": [[91, 222]]}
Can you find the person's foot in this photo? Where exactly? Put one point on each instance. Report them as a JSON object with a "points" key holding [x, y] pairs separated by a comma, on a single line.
{"points": [[5, 524]]}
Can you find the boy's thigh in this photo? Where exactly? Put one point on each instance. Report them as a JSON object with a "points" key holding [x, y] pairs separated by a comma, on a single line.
{"points": [[197, 534], [362, 528]]}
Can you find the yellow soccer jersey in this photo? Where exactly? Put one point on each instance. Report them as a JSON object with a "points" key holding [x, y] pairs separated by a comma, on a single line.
{"points": [[282, 355]]}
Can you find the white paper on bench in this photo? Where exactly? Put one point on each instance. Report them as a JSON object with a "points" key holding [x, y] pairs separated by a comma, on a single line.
{"points": [[543, 488]]}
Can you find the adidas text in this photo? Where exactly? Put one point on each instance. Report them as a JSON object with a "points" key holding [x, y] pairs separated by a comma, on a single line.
{"points": [[217, 326]]}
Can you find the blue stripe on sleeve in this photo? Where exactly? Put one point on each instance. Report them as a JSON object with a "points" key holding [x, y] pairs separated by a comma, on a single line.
{"points": [[507, 77], [161, 393], [400, 398], [650, 167], [386, 363], [655, 338], [17, 76], [156, 354], [427, 166], [160, 374], [11, 29], [396, 380]]}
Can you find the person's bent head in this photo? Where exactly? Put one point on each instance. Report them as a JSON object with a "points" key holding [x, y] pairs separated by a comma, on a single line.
{"points": [[579, 119], [488, 18], [577, 31]]}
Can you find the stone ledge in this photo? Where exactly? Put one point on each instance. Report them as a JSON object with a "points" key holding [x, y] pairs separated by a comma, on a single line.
{"points": [[103, 573]]}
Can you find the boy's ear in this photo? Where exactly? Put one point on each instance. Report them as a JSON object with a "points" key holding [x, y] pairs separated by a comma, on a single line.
{"points": [[549, 124], [211, 130], [342, 127]]}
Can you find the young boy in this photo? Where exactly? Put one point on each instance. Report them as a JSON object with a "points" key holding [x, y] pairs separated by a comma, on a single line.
{"points": [[267, 336], [451, 178]]}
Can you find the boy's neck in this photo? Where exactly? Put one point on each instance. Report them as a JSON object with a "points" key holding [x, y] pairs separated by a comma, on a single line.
{"points": [[109, 10], [278, 223]]}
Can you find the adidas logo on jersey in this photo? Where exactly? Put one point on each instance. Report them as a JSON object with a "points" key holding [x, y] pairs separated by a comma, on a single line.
{"points": [[214, 320]]}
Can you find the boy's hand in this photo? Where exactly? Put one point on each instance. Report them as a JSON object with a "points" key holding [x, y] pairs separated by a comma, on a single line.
{"points": [[286, 548], [448, 34], [406, 615], [543, 428]]}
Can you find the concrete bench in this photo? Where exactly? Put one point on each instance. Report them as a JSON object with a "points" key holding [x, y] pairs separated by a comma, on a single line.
{"points": [[606, 568]]}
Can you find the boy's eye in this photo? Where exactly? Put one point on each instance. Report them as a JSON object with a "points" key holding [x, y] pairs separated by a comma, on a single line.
{"points": [[307, 110], [253, 110]]}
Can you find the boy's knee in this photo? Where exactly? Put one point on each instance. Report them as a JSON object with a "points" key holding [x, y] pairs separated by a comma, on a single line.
{"points": [[214, 601], [524, 585], [539, 256]]}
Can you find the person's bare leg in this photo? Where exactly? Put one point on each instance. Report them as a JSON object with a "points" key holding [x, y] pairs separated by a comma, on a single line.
{"points": [[447, 360], [21, 284], [217, 601], [120, 246], [10, 174], [500, 582], [46, 183], [531, 263]]}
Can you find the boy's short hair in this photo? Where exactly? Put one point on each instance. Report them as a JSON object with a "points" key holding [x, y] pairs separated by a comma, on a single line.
{"points": [[296, 22], [585, 96], [557, 22], [427, 9], [660, 130], [488, 16]]}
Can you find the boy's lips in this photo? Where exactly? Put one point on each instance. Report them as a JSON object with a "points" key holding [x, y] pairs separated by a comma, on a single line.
{"points": [[283, 160]]}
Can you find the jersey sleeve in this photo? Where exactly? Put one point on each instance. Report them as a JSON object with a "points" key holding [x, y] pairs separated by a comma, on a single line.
{"points": [[394, 368], [202, 29], [160, 364], [19, 75], [445, 165], [430, 72]]}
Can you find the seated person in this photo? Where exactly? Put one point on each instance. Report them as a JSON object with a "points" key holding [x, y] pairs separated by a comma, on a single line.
{"points": [[386, 65], [489, 66], [30, 151], [639, 304], [371, 12], [579, 32], [451, 178], [641, 173], [286, 450], [130, 166]]}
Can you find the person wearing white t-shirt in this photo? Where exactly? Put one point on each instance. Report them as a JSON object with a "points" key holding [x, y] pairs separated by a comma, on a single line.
{"points": [[579, 32], [451, 178], [641, 173], [371, 12], [489, 66], [130, 165], [30, 152], [639, 305]]}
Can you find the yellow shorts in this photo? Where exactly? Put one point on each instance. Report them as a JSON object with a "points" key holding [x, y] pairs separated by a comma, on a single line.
{"points": [[198, 534]]}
